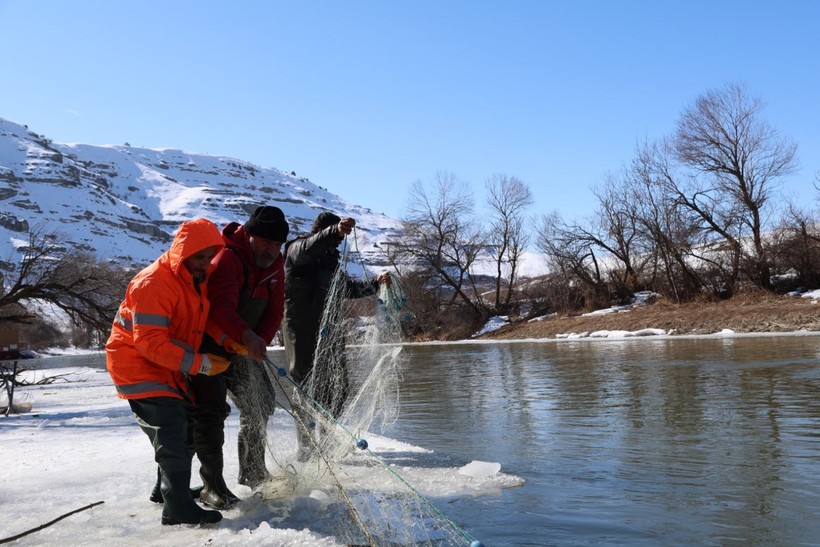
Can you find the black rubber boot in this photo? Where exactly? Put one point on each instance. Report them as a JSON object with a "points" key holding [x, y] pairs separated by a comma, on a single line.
{"points": [[179, 507], [156, 493], [208, 436], [215, 492]]}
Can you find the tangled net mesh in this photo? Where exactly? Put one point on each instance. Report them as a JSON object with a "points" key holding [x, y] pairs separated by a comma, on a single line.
{"points": [[366, 501]]}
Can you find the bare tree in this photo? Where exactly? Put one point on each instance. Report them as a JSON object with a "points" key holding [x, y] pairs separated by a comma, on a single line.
{"points": [[508, 198], [88, 292], [673, 229], [617, 230], [607, 253], [736, 159], [795, 248], [520, 235], [573, 257], [442, 236]]}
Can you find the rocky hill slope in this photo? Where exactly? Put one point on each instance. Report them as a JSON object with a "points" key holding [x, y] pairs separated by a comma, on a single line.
{"points": [[123, 203]]}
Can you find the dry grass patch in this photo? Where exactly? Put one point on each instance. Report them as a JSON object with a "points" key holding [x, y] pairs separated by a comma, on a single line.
{"points": [[753, 312]]}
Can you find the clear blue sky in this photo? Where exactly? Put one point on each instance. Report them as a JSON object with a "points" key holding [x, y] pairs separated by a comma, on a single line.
{"points": [[364, 97]]}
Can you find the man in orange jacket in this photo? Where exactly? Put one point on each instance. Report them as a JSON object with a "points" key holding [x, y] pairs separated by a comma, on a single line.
{"points": [[153, 348]]}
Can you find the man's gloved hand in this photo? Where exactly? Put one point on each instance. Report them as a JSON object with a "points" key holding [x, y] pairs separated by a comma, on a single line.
{"points": [[236, 347], [346, 226], [384, 279], [213, 364], [257, 348]]}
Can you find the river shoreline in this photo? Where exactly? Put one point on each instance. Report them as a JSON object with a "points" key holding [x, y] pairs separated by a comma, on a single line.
{"points": [[743, 314]]}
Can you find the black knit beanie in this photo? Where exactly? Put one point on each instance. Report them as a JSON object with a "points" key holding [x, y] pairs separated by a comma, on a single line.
{"points": [[268, 222], [325, 219]]}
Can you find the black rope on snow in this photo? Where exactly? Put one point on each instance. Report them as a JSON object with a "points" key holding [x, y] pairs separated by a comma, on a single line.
{"points": [[47, 524]]}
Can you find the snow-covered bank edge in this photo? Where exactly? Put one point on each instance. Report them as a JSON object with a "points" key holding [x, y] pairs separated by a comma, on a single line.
{"points": [[79, 445], [595, 336], [726, 333]]}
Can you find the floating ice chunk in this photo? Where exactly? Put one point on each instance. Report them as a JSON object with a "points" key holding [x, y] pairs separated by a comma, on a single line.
{"points": [[478, 469]]}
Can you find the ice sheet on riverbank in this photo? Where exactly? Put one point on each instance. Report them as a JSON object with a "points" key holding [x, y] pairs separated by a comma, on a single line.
{"points": [[80, 445]]}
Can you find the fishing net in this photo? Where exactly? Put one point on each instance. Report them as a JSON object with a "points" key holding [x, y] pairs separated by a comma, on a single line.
{"points": [[352, 394]]}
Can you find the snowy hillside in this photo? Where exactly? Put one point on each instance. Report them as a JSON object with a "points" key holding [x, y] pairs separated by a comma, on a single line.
{"points": [[124, 203]]}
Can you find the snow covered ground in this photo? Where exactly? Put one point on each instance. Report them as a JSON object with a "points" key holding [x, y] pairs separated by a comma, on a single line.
{"points": [[79, 445]]}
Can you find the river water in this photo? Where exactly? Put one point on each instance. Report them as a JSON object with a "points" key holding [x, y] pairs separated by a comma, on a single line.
{"points": [[650, 441], [674, 441]]}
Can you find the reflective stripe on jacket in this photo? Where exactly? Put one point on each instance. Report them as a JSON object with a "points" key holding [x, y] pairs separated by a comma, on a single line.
{"points": [[159, 326]]}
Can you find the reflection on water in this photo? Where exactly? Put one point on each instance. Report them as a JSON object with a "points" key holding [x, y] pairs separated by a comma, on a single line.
{"points": [[673, 441]]}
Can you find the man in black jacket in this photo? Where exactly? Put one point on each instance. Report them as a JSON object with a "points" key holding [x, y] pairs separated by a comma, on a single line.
{"points": [[310, 265]]}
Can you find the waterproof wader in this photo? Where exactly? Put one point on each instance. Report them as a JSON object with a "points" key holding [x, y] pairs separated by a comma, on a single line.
{"points": [[329, 388], [299, 354], [251, 391], [209, 416], [165, 420]]}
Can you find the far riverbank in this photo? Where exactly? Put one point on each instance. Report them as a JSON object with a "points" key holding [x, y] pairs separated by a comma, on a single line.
{"points": [[743, 314]]}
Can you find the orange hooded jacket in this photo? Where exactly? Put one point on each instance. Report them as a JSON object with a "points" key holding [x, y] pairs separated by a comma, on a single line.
{"points": [[159, 326]]}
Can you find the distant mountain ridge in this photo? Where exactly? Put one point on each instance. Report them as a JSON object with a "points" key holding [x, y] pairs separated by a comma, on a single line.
{"points": [[123, 203]]}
